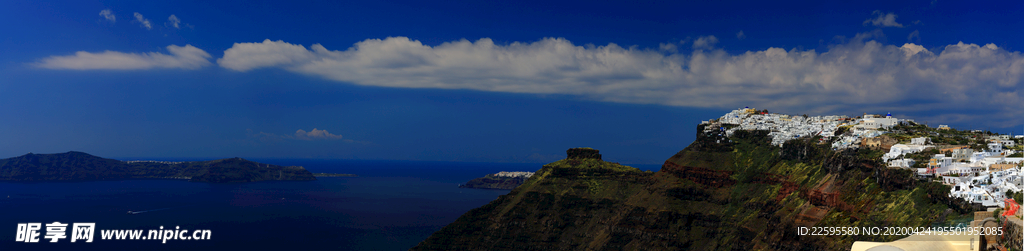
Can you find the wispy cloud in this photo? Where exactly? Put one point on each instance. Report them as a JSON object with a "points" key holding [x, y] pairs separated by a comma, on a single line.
{"points": [[109, 15], [313, 135], [143, 21], [173, 21], [914, 37], [857, 75], [740, 35], [183, 57], [705, 42], [669, 47], [883, 20]]}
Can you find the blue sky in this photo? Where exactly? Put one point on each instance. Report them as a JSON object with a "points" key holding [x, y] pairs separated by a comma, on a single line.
{"points": [[482, 81]]}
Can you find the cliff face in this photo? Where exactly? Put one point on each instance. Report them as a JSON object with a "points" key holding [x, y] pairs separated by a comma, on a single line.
{"points": [[567, 204], [582, 153], [717, 194], [78, 166]]}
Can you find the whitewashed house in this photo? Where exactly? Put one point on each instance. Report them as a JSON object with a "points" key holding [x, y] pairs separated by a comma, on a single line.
{"points": [[962, 154], [919, 141], [995, 149]]}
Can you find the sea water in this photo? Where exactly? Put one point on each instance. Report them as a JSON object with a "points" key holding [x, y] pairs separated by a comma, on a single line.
{"points": [[392, 205]]}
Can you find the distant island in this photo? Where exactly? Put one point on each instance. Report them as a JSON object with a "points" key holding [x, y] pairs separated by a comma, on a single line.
{"points": [[500, 180], [334, 175], [79, 166]]}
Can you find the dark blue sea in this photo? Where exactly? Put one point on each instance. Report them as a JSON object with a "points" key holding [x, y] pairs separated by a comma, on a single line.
{"points": [[392, 205]]}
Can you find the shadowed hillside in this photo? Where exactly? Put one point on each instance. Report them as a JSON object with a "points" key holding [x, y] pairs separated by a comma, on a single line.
{"points": [[736, 193]]}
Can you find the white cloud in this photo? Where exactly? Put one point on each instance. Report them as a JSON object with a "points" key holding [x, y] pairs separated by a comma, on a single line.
{"points": [[173, 21], [183, 57], [315, 135], [856, 76], [143, 21], [911, 37], [740, 35], [705, 42], [883, 20], [247, 56], [669, 47], [909, 50], [109, 15]]}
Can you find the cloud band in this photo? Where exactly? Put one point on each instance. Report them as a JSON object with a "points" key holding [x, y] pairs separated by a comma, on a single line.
{"points": [[858, 75], [182, 57]]}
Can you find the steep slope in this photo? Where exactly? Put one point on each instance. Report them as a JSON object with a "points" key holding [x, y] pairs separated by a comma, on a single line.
{"points": [[79, 166], [717, 194], [565, 204]]}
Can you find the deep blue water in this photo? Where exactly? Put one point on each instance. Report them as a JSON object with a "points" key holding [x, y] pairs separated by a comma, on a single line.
{"points": [[392, 205]]}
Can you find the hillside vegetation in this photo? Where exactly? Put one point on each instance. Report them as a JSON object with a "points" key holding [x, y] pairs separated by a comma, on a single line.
{"points": [[735, 194]]}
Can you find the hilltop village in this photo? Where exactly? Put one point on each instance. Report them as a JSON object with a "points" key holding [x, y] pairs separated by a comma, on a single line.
{"points": [[500, 180], [734, 188], [981, 167], [514, 174]]}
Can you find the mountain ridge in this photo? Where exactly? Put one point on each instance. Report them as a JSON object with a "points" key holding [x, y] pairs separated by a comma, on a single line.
{"points": [[80, 166]]}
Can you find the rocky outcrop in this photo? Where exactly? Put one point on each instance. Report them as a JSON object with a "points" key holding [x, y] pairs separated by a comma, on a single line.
{"points": [[1013, 228], [583, 153]]}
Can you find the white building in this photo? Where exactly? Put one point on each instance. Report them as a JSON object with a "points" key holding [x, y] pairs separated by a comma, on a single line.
{"points": [[1015, 160], [964, 169], [900, 149], [974, 194], [781, 127], [1007, 142], [872, 122], [904, 163], [919, 141], [950, 180], [995, 149], [963, 154], [942, 161], [514, 174], [978, 156]]}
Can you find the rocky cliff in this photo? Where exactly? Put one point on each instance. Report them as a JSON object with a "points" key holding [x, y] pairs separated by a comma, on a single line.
{"points": [[734, 193], [79, 166]]}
